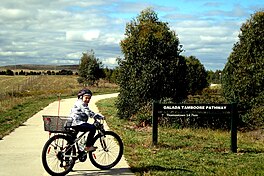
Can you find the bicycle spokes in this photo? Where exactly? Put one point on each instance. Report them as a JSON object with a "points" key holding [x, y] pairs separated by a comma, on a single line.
{"points": [[109, 151], [58, 156]]}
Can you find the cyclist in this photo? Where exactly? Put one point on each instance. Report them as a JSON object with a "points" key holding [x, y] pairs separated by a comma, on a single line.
{"points": [[80, 114]]}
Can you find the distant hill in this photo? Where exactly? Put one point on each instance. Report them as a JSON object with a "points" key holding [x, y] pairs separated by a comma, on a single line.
{"points": [[73, 68]]}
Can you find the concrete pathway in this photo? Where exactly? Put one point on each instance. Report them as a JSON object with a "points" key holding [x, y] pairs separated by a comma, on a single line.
{"points": [[20, 152]]}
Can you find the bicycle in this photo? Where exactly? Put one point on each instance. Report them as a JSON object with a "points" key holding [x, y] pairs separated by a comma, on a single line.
{"points": [[62, 151]]}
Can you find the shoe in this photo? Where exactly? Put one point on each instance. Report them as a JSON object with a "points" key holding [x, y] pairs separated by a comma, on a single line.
{"points": [[90, 149], [67, 165], [66, 168]]}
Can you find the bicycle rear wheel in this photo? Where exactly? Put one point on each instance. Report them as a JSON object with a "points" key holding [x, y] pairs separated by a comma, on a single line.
{"points": [[109, 151], [57, 155]]}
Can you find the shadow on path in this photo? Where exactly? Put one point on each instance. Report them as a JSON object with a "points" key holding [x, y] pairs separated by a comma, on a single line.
{"points": [[160, 168], [114, 171]]}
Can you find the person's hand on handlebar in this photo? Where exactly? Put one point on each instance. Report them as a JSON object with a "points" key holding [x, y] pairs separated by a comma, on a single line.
{"points": [[99, 116]]}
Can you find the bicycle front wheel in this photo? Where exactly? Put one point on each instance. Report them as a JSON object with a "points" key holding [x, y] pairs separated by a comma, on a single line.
{"points": [[58, 155], [109, 151]]}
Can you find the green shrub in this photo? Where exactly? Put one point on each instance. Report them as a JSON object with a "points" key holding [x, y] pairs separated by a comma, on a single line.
{"points": [[144, 116], [254, 118], [152, 68], [243, 75]]}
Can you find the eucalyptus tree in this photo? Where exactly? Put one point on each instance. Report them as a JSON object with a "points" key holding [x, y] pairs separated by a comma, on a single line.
{"points": [[243, 75], [90, 69], [152, 68]]}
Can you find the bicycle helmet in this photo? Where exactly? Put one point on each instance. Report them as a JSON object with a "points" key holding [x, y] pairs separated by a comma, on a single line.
{"points": [[83, 92]]}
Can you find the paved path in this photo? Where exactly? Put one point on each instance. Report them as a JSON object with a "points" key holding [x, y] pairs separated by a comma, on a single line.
{"points": [[20, 152]]}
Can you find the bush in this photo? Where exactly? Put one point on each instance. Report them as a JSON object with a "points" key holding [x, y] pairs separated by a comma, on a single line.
{"points": [[144, 116], [254, 118], [90, 69], [196, 75], [208, 95], [243, 75], [152, 68]]}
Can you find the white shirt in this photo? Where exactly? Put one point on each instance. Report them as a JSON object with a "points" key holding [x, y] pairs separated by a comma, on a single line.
{"points": [[80, 113]]}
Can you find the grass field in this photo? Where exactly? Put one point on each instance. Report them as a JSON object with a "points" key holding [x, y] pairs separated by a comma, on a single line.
{"points": [[20, 89], [56, 83], [8, 83], [186, 151], [23, 96]]}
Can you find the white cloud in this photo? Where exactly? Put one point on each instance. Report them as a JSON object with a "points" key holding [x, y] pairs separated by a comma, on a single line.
{"points": [[82, 35], [216, 39], [64, 62], [17, 53], [58, 31], [110, 62], [112, 38], [13, 14], [91, 35], [76, 55]]}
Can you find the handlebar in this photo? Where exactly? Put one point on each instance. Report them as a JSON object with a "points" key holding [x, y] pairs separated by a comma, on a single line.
{"points": [[98, 117], [98, 121]]}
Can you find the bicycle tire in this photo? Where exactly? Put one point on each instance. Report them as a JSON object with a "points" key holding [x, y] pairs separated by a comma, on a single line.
{"points": [[112, 151], [53, 152]]}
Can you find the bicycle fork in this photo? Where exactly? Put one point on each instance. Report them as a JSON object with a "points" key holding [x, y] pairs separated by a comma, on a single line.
{"points": [[103, 143]]}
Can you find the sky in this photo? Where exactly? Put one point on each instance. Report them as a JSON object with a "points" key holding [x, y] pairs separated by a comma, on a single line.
{"points": [[57, 32]]}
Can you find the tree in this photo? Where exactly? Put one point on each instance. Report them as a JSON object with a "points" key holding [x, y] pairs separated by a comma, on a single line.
{"points": [[22, 72], [214, 77], [90, 69], [243, 75], [49, 72], [65, 72], [114, 75], [152, 68], [9, 72], [110, 74], [196, 75]]}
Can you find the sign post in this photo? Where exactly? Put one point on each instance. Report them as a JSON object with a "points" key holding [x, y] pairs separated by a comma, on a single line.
{"points": [[234, 120], [155, 123]]}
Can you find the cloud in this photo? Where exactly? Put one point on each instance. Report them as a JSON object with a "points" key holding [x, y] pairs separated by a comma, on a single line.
{"points": [[112, 38], [82, 35], [212, 4], [47, 32], [110, 62], [13, 14], [237, 11], [9, 53], [209, 36]]}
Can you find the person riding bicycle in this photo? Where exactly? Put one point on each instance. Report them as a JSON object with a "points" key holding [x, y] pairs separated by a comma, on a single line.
{"points": [[80, 114]]}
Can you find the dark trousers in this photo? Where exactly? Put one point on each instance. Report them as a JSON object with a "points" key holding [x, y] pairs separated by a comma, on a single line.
{"points": [[87, 127]]}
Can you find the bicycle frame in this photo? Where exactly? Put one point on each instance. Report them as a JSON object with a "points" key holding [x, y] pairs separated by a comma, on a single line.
{"points": [[100, 130], [75, 143]]}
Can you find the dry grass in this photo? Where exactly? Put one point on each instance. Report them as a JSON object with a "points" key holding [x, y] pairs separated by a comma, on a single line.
{"points": [[29, 94], [18, 89], [9, 83]]}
